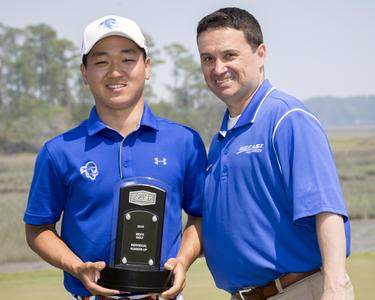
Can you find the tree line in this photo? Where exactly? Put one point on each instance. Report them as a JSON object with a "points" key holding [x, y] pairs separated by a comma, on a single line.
{"points": [[42, 93]]}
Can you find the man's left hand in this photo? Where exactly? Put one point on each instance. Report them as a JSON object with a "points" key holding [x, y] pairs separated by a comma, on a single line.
{"points": [[179, 277]]}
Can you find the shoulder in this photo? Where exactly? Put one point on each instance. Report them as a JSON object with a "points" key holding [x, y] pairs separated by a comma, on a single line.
{"points": [[63, 141], [291, 119], [176, 130], [281, 106], [284, 101]]}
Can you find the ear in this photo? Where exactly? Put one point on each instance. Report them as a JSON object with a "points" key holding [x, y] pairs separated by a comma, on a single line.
{"points": [[83, 73], [147, 68], [261, 53]]}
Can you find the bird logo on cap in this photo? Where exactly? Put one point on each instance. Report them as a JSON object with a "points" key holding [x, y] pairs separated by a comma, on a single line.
{"points": [[109, 23]]}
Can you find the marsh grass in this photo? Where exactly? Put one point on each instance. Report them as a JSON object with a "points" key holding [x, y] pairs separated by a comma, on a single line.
{"points": [[355, 160], [354, 153], [46, 285]]}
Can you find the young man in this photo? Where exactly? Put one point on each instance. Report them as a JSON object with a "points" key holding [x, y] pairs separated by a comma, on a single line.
{"points": [[76, 173], [275, 224]]}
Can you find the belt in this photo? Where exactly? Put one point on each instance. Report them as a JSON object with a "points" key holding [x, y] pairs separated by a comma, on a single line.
{"points": [[272, 288]]}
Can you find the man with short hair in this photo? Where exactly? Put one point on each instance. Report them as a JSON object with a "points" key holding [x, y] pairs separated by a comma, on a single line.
{"points": [[77, 173], [275, 224]]}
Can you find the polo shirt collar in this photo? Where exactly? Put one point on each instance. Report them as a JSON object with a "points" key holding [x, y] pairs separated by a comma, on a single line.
{"points": [[148, 118], [95, 124], [249, 114]]}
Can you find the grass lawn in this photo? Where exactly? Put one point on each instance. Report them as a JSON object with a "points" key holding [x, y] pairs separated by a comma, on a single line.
{"points": [[46, 285]]}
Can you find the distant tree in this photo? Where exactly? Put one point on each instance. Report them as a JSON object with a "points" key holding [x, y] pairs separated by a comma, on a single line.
{"points": [[42, 92], [9, 53], [192, 103], [47, 66], [187, 86], [38, 75], [156, 60], [31, 122]]}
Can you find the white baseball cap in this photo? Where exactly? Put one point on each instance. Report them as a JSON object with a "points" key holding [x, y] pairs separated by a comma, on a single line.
{"points": [[108, 26]]}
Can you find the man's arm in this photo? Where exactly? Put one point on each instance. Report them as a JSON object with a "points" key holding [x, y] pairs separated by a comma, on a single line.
{"points": [[191, 248], [45, 241], [332, 243]]}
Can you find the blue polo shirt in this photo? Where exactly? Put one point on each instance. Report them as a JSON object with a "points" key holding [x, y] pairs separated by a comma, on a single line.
{"points": [[76, 174], [267, 178]]}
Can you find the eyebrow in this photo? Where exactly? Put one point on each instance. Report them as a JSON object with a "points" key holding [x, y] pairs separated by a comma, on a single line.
{"points": [[125, 51], [222, 52], [205, 54]]}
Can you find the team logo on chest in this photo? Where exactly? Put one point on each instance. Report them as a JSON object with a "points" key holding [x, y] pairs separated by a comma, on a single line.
{"points": [[160, 161], [90, 170], [252, 148]]}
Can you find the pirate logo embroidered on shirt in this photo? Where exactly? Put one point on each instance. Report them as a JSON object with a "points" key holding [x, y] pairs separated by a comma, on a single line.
{"points": [[90, 170]]}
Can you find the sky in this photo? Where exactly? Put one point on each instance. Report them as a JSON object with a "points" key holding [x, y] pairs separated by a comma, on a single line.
{"points": [[315, 48]]}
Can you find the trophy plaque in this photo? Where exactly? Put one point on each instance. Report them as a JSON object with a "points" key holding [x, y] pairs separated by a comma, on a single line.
{"points": [[135, 257]]}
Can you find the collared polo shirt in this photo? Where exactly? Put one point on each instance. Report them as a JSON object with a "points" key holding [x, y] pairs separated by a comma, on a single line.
{"points": [[267, 178], [76, 173]]}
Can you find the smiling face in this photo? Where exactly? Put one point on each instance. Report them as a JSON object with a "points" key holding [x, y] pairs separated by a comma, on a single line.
{"points": [[231, 68], [116, 72]]}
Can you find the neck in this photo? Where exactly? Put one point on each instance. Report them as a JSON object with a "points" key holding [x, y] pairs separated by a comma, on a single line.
{"points": [[124, 120], [237, 107]]}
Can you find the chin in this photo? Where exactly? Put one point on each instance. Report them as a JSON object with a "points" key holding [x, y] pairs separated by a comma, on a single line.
{"points": [[225, 95], [225, 91]]}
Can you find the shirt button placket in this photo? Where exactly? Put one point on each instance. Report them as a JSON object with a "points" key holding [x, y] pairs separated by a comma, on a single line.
{"points": [[125, 160], [126, 165], [224, 160]]}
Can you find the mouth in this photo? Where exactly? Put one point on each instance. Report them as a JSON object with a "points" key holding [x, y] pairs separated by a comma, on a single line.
{"points": [[116, 86], [223, 81]]}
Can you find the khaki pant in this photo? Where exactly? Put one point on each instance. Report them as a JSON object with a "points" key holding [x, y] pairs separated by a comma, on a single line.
{"points": [[311, 288]]}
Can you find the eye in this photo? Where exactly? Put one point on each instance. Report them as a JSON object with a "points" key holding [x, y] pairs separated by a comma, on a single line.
{"points": [[101, 62], [128, 60], [230, 55], [206, 59]]}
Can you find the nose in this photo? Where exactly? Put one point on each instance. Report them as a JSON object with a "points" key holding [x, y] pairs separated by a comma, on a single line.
{"points": [[219, 67], [115, 70]]}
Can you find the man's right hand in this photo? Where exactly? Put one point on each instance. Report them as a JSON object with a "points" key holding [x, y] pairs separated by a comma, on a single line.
{"points": [[89, 273], [45, 241]]}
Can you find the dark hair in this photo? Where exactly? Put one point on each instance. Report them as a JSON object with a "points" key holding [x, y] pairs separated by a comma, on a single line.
{"points": [[84, 58], [233, 17]]}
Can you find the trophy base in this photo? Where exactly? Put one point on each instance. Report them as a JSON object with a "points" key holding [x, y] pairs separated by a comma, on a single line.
{"points": [[135, 280]]}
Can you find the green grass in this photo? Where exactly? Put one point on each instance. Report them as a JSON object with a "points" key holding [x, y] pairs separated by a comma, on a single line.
{"points": [[46, 285], [355, 160], [15, 178], [361, 269], [41, 285]]}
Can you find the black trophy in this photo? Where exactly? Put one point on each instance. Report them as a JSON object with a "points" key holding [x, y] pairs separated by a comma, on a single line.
{"points": [[135, 266]]}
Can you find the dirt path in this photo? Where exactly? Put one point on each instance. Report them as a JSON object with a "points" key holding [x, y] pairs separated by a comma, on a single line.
{"points": [[363, 240]]}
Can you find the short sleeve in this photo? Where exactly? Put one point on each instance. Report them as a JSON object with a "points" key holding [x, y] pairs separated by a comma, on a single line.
{"points": [[307, 167], [47, 192], [192, 202]]}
